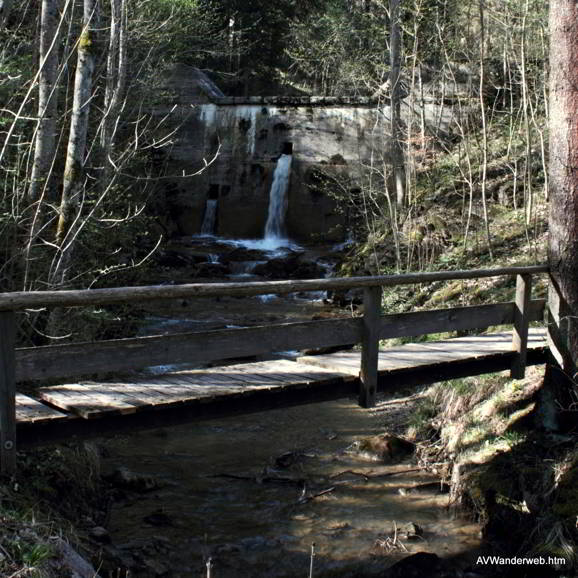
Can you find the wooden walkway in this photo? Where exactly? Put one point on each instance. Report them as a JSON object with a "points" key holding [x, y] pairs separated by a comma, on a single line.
{"points": [[99, 408], [94, 400], [429, 354], [180, 396]]}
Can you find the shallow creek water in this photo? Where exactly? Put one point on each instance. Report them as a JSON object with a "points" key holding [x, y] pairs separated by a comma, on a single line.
{"points": [[254, 527], [225, 490]]}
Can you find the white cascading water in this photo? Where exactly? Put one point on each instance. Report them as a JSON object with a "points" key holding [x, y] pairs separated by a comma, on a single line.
{"points": [[274, 229], [210, 218]]}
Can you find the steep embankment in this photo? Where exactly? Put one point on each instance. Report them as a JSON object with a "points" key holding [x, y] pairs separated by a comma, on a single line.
{"points": [[511, 458]]}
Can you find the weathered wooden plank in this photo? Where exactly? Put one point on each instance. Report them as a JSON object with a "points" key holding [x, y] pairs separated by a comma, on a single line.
{"points": [[75, 298], [456, 319], [87, 400], [285, 367], [95, 400], [370, 346], [31, 411], [415, 355], [196, 388], [146, 397], [7, 394], [275, 372], [521, 324], [236, 372], [86, 358], [244, 378], [213, 378], [349, 363]]}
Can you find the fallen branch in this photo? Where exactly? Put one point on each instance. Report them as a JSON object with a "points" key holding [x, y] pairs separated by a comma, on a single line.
{"points": [[261, 480], [352, 472], [387, 474], [310, 497]]}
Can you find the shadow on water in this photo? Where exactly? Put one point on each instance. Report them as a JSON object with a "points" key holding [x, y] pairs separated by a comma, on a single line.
{"points": [[254, 492]]}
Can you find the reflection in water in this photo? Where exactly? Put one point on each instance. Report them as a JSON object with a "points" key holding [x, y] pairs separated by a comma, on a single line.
{"points": [[241, 491]]}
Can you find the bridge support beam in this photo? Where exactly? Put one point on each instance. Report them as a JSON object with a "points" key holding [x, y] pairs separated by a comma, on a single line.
{"points": [[521, 324], [370, 346], [7, 394]]}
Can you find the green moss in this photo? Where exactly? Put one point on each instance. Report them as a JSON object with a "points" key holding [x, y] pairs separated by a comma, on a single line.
{"points": [[85, 41], [452, 290]]}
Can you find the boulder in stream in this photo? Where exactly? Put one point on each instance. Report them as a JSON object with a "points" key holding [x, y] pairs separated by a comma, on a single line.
{"points": [[244, 254], [210, 270], [291, 266], [68, 562], [125, 479], [175, 259], [383, 447]]}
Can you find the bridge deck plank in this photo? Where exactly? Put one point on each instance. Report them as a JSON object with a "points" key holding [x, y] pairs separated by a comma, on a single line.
{"points": [[30, 410], [92, 400], [425, 354]]}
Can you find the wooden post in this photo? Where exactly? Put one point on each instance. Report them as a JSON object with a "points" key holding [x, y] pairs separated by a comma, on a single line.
{"points": [[7, 394], [521, 323], [370, 346]]}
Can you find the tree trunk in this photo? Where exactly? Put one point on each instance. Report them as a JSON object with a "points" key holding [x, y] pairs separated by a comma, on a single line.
{"points": [[74, 177], [44, 147], [484, 128], [395, 61], [5, 6], [563, 193], [116, 69], [46, 132]]}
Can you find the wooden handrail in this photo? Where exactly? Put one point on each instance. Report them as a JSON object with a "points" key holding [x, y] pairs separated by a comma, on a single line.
{"points": [[77, 298], [82, 358]]}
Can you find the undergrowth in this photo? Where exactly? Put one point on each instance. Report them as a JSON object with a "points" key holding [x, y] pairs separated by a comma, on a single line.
{"points": [[518, 478], [54, 493]]}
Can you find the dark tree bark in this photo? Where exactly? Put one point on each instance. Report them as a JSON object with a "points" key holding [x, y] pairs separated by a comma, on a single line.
{"points": [[563, 187]]}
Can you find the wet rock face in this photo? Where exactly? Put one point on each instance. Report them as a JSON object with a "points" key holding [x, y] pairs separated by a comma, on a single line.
{"points": [[417, 565]]}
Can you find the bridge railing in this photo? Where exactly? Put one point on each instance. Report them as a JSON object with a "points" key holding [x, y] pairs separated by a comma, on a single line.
{"points": [[67, 360]]}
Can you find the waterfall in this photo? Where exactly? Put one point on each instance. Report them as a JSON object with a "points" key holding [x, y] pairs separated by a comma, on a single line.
{"points": [[210, 219], [274, 229]]}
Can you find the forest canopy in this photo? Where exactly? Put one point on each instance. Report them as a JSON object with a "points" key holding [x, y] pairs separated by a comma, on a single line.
{"points": [[80, 149]]}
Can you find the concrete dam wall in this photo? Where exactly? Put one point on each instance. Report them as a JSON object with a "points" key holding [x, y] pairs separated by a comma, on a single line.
{"points": [[330, 140]]}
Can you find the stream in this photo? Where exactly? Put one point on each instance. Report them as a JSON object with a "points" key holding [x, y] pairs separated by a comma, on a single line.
{"points": [[254, 492], [253, 495]]}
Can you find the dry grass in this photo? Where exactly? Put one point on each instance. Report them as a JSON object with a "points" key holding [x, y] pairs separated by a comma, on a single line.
{"points": [[512, 476]]}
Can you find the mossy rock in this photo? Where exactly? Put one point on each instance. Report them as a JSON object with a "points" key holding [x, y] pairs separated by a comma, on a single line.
{"points": [[384, 447]]}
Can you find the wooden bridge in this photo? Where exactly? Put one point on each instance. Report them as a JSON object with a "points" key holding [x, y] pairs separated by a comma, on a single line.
{"points": [[80, 407]]}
